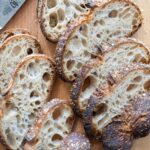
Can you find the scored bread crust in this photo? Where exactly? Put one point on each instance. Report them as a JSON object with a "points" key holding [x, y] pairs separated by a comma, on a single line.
{"points": [[30, 40], [32, 134], [94, 101], [11, 32], [85, 71], [64, 39], [12, 83]]}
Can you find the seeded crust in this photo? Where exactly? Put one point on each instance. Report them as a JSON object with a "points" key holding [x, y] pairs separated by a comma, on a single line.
{"points": [[11, 32], [39, 7], [35, 132], [133, 123], [94, 109], [65, 38], [96, 75], [9, 95]]}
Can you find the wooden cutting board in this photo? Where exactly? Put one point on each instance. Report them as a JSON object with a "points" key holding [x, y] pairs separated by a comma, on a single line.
{"points": [[26, 18]]}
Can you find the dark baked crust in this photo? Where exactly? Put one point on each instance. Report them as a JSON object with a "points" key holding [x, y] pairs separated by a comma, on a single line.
{"points": [[65, 37]]}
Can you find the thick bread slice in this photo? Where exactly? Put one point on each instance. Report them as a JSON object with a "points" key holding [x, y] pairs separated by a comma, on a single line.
{"points": [[101, 112], [11, 52], [28, 91], [11, 32], [87, 38], [54, 123], [98, 75], [133, 123], [75, 141], [55, 15]]}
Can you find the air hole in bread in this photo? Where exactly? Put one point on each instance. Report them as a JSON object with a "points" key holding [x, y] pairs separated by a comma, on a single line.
{"points": [[84, 30], [10, 137], [79, 8], [16, 50], [47, 124], [46, 77], [70, 64], [53, 20], [98, 35], [143, 60], [130, 54], [79, 65], [101, 22], [100, 109], [134, 22], [29, 51], [34, 94], [86, 53], [69, 121], [32, 116], [61, 14], [57, 113], [66, 2], [56, 137], [137, 58], [37, 102], [87, 83], [32, 69], [113, 14], [137, 79], [22, 76], [68, 54], [132, 87], [84, 42], [51, 3], [18, 118], [147, 85]]}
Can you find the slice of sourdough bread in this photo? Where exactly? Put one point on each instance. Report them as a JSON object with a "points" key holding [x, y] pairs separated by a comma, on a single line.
{"points": [[133, 123], [54, 123], [11, 53], [101, 112], [75, 141], [55, 15], [98, 75], [88, 37], [29, 89], [11, 32]]}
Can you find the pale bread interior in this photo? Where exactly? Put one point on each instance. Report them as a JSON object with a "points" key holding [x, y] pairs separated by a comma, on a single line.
{"points": [[11, 53], [57, 14], [29, 92], [117, 19], [135, 83], [124, 54], [56, 126]]}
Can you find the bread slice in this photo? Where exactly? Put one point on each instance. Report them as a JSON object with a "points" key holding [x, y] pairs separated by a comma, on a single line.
{"points": [[98, 75], [133, 123], [75, 141], [90, 36], [55, 15], [11, 32], [11, 53], [29, 89], [102, 112], [54, 123]]}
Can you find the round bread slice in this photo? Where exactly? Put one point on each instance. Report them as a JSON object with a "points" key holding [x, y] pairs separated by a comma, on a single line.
{"points": [[134, 82], [55, 15], [54, 123], [98, 74], [89, 36], [12, 51], [11, 32], [28, 90]]}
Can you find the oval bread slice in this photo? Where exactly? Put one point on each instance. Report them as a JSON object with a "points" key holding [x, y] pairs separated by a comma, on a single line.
{"points": [[99, 75], [89, 36], [28, 91], [12, 51], [54, 123], [101, 112], [11, 32], [55, 15]]}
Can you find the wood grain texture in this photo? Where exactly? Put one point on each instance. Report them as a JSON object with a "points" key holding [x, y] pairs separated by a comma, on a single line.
{"points": [[27, 18]]}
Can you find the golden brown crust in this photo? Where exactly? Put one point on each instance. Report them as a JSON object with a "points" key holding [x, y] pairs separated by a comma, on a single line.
{"points": [[60, 50]]}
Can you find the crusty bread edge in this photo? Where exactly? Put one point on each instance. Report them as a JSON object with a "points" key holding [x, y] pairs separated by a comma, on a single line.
{"points": [[60, 49]]}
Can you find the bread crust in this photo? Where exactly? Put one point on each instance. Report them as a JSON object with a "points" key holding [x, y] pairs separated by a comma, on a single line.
{"points": [[47, 108], [60, 49]]}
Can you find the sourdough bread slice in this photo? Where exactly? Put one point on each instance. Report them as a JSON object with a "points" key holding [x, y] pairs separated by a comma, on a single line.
{"points": [[55, 15], [11, 53], [133, 123], [98, 75], [54, 123], [134, 82], [75, 141], [29, 89], [88, 37], [11, 32]]}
